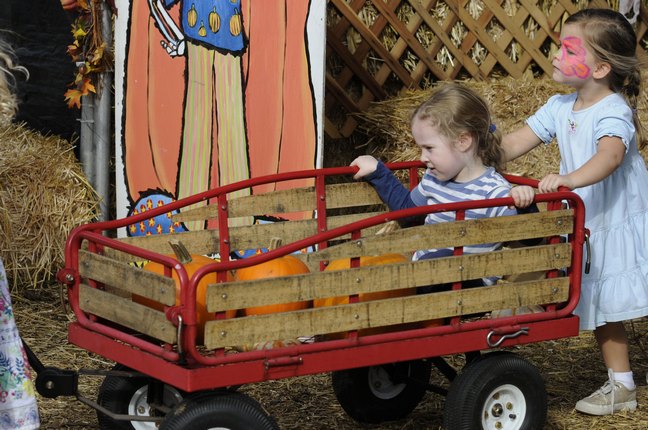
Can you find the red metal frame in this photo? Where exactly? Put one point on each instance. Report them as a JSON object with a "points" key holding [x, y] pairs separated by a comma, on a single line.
{"points": [[192, 371]]}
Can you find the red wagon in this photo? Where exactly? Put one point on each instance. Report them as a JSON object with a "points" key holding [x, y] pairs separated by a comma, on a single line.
{"points": [[185, 337]]}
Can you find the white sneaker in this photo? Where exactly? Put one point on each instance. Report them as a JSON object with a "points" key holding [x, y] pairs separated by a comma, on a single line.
{"points": [[611, 397]]}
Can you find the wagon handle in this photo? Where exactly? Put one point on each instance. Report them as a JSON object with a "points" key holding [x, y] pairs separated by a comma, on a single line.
{"points": [[523, 330]]}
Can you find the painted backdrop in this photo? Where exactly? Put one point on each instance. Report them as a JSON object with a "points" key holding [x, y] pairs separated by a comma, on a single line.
{"points": [[210, 92]]}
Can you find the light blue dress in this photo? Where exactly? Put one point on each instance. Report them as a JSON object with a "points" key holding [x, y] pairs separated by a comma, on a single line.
{"points": [[616, 289], [18, 409]]}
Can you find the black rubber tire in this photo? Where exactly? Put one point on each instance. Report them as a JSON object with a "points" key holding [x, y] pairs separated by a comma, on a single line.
{"points": [[499, 389], [222, 410], [116, 393], [382, 393]]}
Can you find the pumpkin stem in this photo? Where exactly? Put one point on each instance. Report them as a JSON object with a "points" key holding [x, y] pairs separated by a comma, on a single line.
{"points": [[275, 243], [180, 251]]}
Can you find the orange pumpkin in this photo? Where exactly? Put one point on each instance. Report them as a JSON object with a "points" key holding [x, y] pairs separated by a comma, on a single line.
{"points": [[282, 266], [191, 263], [376, 260]]}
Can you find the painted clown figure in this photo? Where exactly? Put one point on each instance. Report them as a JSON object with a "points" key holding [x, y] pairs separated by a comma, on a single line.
{"points": [[214, 146]]}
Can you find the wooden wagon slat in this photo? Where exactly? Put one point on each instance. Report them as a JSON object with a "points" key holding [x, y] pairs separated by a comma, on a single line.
{"points": [[458, 233], [423, 237], [206, 242], [333, 319], [259, 236], [197, 242], [350, 194], [126, 313], [126, 277], [239, 295]]}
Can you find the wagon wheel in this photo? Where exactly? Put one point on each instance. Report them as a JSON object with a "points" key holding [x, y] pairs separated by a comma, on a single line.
{"points": [[382, 393], [128, 395], [498, 391], [222, 410]]}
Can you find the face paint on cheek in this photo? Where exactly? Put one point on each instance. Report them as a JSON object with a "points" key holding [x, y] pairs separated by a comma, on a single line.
{"points": [[573, 58]]}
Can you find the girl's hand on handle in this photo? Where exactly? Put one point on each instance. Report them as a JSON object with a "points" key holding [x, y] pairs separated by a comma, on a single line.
{"points": [[366, 165], [551, 182], [522, 195]]}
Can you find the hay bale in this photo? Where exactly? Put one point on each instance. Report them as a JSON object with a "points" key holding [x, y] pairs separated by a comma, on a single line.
{"points": [[43, 195], [512, 101]]}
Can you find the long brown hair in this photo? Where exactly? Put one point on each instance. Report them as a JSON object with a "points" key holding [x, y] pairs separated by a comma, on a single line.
{"points": [[455, 109]]}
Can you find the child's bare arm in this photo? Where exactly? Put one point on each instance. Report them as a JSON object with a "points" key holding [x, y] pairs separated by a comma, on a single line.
{"points": [[608, 157], [519, 142]]}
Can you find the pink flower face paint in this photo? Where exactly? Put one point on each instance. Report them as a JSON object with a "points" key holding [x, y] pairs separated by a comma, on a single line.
{"points": [[572, 60]]}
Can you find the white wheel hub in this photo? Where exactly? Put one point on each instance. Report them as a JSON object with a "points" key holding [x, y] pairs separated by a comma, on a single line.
{"points": [[504, 409], [381, 384], [140, 407]]}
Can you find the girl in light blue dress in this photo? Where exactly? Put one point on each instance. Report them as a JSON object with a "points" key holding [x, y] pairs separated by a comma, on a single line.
{"points": [[598, 133]]}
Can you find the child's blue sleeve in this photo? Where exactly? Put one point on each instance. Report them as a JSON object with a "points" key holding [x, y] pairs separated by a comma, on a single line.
{"points": [[390, 189]]}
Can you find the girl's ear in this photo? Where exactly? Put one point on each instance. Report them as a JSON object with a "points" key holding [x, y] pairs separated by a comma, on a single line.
{"points": [[601, 70], [464, 142]]}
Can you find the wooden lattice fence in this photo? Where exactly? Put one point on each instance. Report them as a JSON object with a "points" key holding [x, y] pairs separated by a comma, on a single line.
{"points": [[377, 48]]}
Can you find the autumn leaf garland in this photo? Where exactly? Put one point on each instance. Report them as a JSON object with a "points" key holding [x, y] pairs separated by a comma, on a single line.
{"points": [[88, 51]]}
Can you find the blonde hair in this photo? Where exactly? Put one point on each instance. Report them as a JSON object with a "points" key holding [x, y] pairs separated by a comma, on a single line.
{"points": [[8, 65], [612, 40], [454, 110]]}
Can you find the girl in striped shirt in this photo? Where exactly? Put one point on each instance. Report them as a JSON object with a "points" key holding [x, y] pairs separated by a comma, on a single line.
{"points": [[461, 148]]}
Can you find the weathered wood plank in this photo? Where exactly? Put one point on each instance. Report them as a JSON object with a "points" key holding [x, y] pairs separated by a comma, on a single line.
{"points": [[124, 312], [126, 277], [458, 233], [343, 195], [247, 237], [197, 242], [355, 316], [288, 289]]}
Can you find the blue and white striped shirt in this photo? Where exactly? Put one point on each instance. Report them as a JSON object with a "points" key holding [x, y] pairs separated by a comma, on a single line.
{"points": [[432, 191]]}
